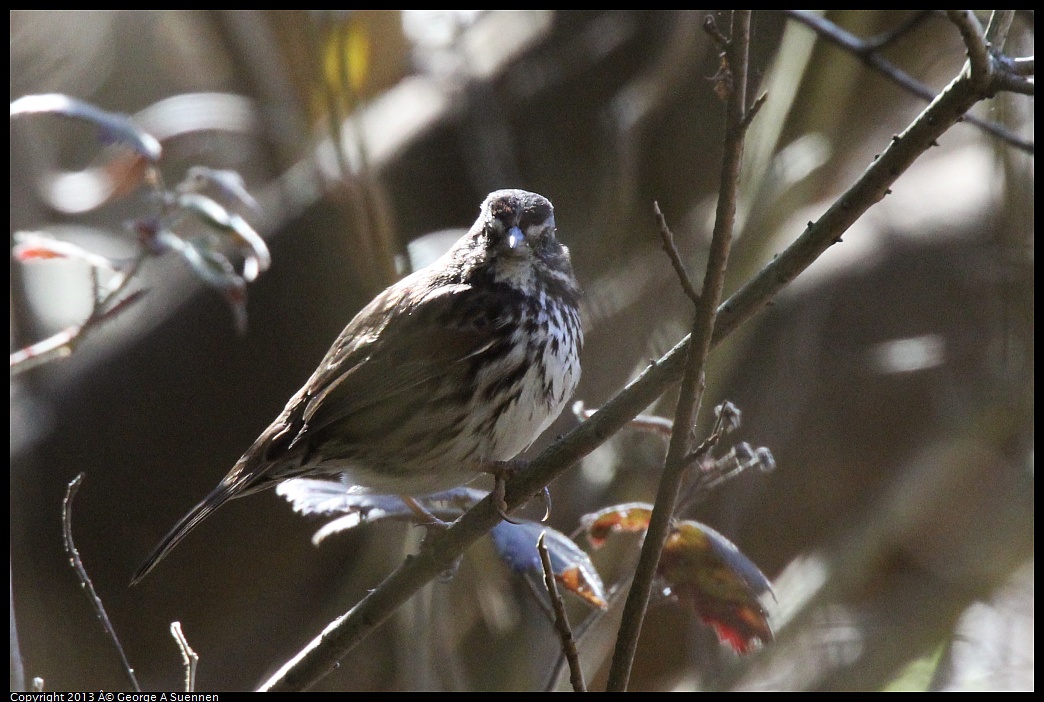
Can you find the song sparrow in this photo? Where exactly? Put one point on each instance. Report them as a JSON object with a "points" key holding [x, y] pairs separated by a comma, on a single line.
{"points": [[453, 369]]}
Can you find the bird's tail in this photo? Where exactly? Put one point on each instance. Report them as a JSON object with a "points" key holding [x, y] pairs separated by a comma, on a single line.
{"points": [[219, 496]]}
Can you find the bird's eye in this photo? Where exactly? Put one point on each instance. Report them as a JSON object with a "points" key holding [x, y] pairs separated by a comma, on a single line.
{"points": [[546, 238]]}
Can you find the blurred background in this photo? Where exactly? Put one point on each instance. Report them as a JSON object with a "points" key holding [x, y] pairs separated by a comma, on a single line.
{"points": [[893, 381]]}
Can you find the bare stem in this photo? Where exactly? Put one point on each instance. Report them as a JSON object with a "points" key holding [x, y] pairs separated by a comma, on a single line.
{"points": [[188, 657], [667, 238], [974, 41], [85, 580], [63, 343], [565, 633]]}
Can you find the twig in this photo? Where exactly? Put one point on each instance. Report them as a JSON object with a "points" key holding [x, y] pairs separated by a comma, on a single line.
{"points": [[17, 664], [85, 581], [865, 53], [726, 421], [753, 111], [1013, 71], [984, 49], [565, 633], [64, 342], [692, 386], [189, 657], [324, 652], [1014, 84], [649, 423], [998, 28], [885, 38], [667, 238], [974, 41]]}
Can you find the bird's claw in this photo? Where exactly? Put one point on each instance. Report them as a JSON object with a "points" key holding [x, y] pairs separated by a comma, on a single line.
{"points": [[424, 518], [501, 472]]}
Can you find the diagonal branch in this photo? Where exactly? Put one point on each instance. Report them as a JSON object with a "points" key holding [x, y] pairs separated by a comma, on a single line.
{"points": [[667, 238], [562, 628]]}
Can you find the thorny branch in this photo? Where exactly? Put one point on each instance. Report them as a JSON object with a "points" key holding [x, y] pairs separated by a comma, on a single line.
{"points": [[565, 633]]}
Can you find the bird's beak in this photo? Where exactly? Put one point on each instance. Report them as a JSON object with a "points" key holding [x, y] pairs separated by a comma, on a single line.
{"points": [[515, 237]]}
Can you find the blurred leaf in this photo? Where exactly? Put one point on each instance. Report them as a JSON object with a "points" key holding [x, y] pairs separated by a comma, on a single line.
{"points": [[213, 268], [114, 127], [919, 673], [630, 517], [348, 54], [704, 570], [31, 246], [249, 242], [516, 545], [229, 184], [700, 568]]}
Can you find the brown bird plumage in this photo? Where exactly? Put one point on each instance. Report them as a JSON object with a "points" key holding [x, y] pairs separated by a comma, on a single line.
{"points": [[459, 366]]}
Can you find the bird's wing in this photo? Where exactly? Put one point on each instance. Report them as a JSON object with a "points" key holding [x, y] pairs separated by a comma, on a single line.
{"points": [[400, 342]]}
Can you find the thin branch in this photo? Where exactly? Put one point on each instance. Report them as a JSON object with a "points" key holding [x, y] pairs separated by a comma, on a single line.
{"points": [[998, 28], [85, 580], [1014, 84], [692, 386], [1015, 74], [1022, 66], [189, 657], [974, 41], [324, 652], [723, 425], [64, 342], [648, 423], [753, 111], [667, 238], [858, 48], [885, 38], [987, 64], [565, 633]]}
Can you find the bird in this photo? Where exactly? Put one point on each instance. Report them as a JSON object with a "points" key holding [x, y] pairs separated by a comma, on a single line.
{"points": [[449, 373]]}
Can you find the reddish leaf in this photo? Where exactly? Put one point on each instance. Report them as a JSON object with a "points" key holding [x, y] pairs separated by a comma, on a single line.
{"points": [[35, 253], [704, 570], [630, 517], [32, 246]]}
